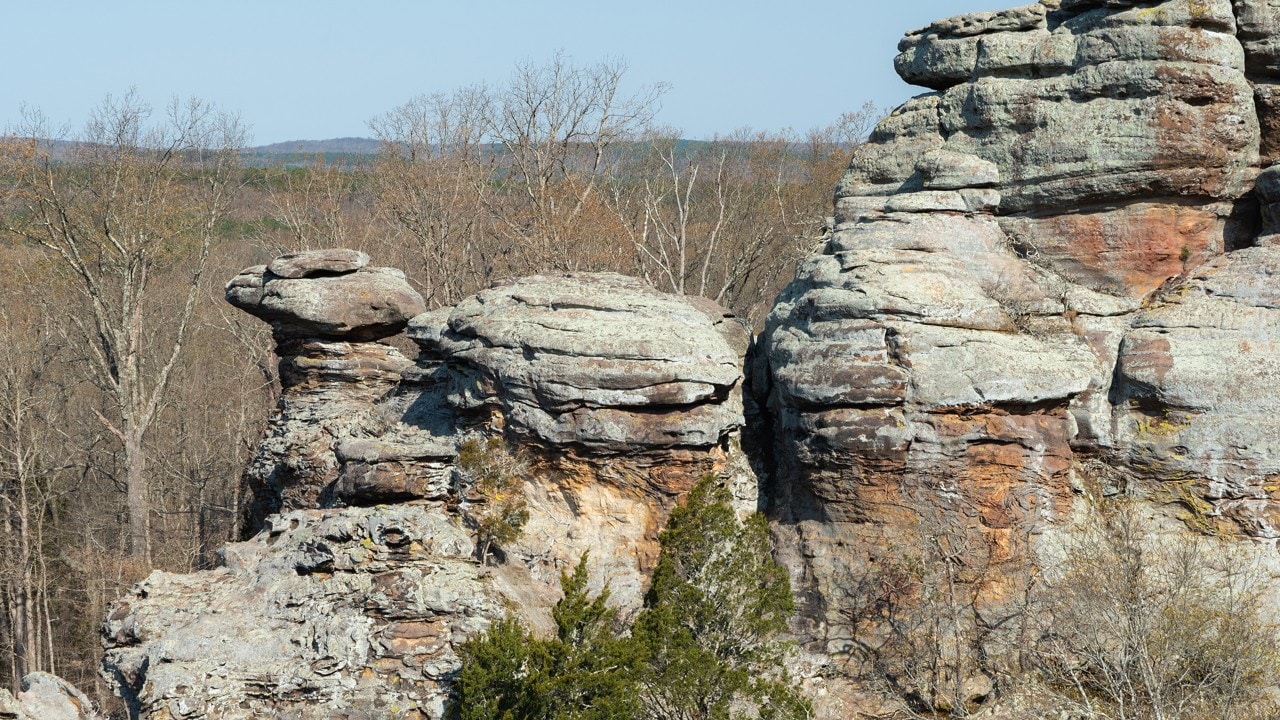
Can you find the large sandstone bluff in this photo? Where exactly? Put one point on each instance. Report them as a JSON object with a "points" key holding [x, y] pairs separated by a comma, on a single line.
{"points": [[1054, 274], [1051, 279]]}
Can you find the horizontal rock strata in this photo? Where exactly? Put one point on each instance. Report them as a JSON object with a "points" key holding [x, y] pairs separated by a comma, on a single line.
{"points": [[1050, 281], [611, 399], [1050, 278], [621, 396], [604, 363]]}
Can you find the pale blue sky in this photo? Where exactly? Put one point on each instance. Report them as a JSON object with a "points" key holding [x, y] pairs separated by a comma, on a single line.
{"points": [[317, 69]]}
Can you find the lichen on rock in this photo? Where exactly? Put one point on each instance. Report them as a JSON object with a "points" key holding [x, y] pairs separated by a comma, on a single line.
{"points": [[1049, 282], [367, 569], [1054, 261]]}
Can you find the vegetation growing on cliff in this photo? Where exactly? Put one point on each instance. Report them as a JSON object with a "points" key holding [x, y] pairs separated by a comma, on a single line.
{"points": [[1143, 625], [491, 478], [1132, 624], [705, 645], [585, 672], [135, 443]]}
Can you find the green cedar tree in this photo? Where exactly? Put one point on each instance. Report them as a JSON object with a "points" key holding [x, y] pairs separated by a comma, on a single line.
{"points": [[585, 672]]}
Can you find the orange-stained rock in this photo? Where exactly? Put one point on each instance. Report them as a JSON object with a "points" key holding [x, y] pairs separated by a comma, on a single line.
{"points": [[1130, 249]]}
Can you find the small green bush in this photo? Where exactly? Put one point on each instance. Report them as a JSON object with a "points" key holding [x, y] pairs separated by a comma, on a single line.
{"points": [[583, 673]]}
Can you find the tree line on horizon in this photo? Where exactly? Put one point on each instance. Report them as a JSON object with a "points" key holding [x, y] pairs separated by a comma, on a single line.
{"points": [[132, 397]]}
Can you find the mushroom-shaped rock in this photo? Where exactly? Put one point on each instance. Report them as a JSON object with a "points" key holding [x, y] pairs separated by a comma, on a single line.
{"points": [[598, 361], [328, 307], [328, 294]]}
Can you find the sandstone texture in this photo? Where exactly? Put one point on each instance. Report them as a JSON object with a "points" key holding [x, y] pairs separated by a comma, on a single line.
{"points": [[1051, 278], [619, 395], [1081, 106], [600, 363], [1089, 102], [1196, 395], [326, 294], [323, 614], [612, 400], [46, 697], [328, 309]]}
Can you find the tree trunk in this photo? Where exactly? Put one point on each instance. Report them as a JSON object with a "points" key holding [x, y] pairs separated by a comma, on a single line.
{"points": [[28, 656], [9, 632], [136, 496]]}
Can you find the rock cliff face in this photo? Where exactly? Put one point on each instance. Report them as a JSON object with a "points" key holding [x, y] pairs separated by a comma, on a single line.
{"points": [[1052, 271], [345, 613], [366, 574], [1051, 277]]}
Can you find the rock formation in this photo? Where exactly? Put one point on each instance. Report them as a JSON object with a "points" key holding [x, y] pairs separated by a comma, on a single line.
{"points": [[366, 574], [1051, 279], [327, 310], [622, 397], [1050, 272], [46, 697], [346, 613]]}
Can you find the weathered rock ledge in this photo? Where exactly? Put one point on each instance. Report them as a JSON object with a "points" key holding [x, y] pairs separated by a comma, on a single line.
{"points": [[367, 573], [1051, 280]]}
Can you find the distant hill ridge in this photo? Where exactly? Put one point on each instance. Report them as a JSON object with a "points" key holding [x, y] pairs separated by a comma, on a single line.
{"points": [[346, 145]]}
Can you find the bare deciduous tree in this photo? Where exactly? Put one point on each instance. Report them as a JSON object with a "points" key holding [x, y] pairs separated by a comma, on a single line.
{"points": [[729, 218], [124, 203], [432, 181], [496, 182], [29, 412], [556, 127], [319, 206], [1148, 625]]}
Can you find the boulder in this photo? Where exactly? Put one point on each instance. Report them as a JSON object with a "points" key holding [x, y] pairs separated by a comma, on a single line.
{"points": [[620, 397], [916, 382], [601, 363], [46, 697], [611, 399], [327, 308], [326, 294]]}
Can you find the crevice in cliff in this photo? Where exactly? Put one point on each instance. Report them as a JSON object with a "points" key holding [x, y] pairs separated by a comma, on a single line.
{"points": [[761, 429]]}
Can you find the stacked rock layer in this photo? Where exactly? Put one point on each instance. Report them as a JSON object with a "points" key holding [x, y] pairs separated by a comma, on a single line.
{"points": [[612, 398], [1052, 273], [1051, 277]]}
